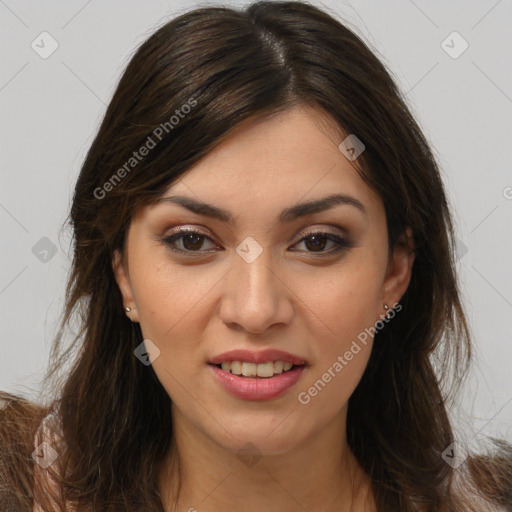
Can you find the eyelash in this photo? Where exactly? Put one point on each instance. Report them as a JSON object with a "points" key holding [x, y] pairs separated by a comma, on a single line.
{"points": [[342, 244]]}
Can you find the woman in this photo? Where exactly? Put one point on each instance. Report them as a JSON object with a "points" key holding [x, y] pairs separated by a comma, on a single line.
{"points": [[263, 271]]}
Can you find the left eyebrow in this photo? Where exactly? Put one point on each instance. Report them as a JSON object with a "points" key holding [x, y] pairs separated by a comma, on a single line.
{"points": [[287, 215]]}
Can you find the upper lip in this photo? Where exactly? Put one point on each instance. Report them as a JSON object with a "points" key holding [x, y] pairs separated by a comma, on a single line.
{"points": [[262, 356]]}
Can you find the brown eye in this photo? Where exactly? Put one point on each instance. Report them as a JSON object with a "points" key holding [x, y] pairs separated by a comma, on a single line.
{"points": [[190, 240], [316, 242]]}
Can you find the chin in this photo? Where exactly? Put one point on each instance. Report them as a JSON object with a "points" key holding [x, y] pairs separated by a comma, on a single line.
{"points": [[265, 438]]}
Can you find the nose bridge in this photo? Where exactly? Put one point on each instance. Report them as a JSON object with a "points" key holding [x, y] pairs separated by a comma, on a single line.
{"points": [[256, 276], [254, 297]]}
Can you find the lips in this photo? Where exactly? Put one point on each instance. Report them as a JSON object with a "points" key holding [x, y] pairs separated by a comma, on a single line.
{"points": [[264, 356], [257, 389], [263, 375]]}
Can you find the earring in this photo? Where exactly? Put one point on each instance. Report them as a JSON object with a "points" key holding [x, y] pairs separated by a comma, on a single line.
{"points": [[386, 307], [127, 309]]}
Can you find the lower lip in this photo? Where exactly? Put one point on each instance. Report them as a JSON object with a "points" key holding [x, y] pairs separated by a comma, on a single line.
{"points": [[259, 389]]}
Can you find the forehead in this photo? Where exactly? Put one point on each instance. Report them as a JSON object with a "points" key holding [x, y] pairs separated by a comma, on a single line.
{"points": [[270, 164]]}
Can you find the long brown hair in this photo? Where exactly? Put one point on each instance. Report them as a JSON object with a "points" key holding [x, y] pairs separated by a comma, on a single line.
{"points": [[186, 89]]}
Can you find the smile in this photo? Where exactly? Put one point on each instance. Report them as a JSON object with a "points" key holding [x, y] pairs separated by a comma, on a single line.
{"points": [[256, 387], [263, 370]]}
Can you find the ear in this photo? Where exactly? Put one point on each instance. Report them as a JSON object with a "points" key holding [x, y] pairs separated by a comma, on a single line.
{"points": [[399, 270], [122, 278]]}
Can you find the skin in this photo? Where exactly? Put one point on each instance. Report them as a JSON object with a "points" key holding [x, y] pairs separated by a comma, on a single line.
{"points": [[291, 298]]}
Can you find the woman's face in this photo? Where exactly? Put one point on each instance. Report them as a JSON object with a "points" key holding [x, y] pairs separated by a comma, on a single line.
{"points": [[261, 281]]}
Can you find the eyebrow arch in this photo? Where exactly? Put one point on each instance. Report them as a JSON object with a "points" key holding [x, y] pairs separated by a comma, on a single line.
{"points": [[287, 215]]}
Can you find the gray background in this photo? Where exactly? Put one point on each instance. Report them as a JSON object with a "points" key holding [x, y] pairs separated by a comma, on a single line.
{"points": [[51, 109]]}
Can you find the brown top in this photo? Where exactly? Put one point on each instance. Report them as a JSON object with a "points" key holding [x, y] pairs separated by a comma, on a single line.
{"points": [[47, 444]]}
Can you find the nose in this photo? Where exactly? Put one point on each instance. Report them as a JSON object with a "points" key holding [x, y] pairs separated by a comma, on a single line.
{"points": [[255, 297]]}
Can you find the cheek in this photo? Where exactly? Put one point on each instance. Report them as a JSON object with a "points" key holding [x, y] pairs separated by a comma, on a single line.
{"points": [[174, 307], [169, 296], [344, 301], [345, 310], [169, 305]]}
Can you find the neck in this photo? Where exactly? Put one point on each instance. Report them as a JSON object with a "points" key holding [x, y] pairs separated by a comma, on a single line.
{"points": [[321, 474]]}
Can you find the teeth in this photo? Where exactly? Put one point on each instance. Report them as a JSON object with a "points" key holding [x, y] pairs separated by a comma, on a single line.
{"points": [[236, 366], [268, 369], [249, 369], [265, 369]]}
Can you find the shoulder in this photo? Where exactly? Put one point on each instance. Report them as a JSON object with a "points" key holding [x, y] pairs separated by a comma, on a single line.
{"points": [[48, 447], [30, 440], [480, 504], [19, 419], [484, 482]]}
